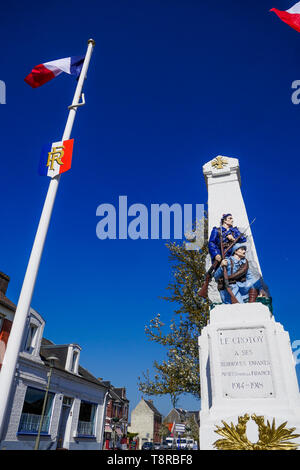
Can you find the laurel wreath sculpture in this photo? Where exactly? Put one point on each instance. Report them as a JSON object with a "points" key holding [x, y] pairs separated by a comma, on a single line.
{"points": [[270, 437]]}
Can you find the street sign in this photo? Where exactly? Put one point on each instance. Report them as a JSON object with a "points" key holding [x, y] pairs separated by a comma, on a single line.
{"points": [[180, 427]]}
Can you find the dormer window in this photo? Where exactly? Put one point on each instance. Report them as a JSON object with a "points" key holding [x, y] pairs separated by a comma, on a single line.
{"points": [[72, 361], [31, 338], [34, 332]]}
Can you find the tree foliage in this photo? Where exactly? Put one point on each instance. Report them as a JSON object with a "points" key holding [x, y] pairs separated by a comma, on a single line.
{"points": [[179, 372], [163, 431], [192, 429], [132, 435]]}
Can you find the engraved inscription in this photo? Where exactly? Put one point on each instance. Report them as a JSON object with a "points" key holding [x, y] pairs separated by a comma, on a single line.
{"points": [[245, 363]]}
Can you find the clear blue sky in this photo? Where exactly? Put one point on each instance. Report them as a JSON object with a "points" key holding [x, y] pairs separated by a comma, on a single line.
{"points": [[171, 85]]}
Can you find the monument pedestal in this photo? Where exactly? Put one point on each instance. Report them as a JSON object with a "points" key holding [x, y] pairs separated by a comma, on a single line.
{"points": [[246, 367]]}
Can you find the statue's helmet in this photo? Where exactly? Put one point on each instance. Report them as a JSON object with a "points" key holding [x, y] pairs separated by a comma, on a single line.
{"points": [[224, 216], [237, 246]]}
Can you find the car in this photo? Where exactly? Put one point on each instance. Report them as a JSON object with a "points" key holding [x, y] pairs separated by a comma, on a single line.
{"points": [[181, 443], [190, 444], [171, 442], [148, 446], [164, 445], [156, 445]]}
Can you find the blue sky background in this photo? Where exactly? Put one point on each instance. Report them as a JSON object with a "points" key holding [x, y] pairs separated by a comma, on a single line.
{"points": [[171, 85]]}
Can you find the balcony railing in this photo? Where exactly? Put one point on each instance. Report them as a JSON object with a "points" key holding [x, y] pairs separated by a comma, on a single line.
{"points": [[85, 428], [30, 423]]}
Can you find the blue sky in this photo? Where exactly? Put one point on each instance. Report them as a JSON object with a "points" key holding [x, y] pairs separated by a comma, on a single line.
{"points": [[171, 85]]}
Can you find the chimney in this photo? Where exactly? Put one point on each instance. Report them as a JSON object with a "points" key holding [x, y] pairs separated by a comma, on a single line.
{"points": [[105, 382], [4, 280]]}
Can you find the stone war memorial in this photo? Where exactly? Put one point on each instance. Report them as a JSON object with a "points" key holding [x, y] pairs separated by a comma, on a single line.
{"points": [[249, 388]]}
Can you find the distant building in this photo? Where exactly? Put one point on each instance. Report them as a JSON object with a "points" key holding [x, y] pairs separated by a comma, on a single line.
{"points": [[146, 421], [75, 410], [180, 416]]}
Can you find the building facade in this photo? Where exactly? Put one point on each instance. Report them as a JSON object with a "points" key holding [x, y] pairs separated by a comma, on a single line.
{"points": [[116, 422], [180, 416], [146, 420], [75, 409], [190, 420]]}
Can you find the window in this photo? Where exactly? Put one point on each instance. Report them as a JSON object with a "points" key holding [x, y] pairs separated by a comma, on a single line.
{"points": [[31, 338], [32, 411], [86, 422], [67, 401], [72, 360]]}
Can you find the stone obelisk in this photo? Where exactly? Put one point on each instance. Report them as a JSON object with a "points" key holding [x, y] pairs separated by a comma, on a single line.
{"points": [[247, 369], [223, 181]]}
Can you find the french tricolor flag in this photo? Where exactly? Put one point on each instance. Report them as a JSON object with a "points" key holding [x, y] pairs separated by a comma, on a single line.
{"points": [[43, 73], [56, 158], [290, 16]]}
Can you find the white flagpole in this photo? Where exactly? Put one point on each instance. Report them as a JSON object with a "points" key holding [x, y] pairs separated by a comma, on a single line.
{"points": [[8, 369]]}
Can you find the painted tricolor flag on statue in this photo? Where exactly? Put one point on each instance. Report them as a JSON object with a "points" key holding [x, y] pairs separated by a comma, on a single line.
{"points": [[56, 158], [43, 73], [290, 16]]}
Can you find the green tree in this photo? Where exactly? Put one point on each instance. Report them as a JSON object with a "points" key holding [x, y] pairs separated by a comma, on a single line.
{"points": [[163, 431], [132, 435], [179, 372], [192, 429]]}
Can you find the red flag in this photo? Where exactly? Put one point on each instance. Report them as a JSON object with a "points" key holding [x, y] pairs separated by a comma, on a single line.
{"points": [[291, 16]]}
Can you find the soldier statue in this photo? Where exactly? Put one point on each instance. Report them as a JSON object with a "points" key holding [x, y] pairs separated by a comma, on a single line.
{"points": [[229, 235], [241, 283]]}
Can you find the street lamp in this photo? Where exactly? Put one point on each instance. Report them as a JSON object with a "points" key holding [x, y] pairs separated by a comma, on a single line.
{"points": [[123, 421], [51, 361], [115, 421]]}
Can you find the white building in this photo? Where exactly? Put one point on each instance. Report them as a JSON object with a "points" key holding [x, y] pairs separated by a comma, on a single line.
{"points": [[74, 416], [146, 421]]}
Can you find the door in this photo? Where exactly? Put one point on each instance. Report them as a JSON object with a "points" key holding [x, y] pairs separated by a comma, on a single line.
{"points": [[65, 413]]}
